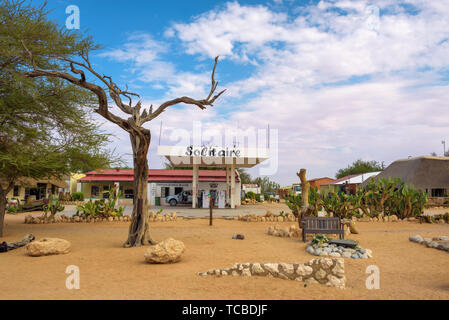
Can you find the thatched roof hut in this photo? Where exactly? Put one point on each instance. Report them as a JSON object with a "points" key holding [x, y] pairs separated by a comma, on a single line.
{"points": [[422, 173]]}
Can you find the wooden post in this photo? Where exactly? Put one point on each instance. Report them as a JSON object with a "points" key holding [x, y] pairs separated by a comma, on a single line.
{"points": [[227, 187], [233, 186], [195, 186], [211, 204], [305, 185]]}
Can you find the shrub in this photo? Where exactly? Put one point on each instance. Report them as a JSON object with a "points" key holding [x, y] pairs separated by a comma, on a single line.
{"points": [[78, 196], [319, 239], [258, 198], [385, 196], [103, 207], [12, 209], [251, 195]]}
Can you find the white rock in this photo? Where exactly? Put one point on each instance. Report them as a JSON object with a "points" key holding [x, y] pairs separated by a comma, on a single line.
{"points": [[48, 246], [246, 272], [273, 268], [167, 251], [257, 269], [304, 270], [320, 274], [288, 268]]}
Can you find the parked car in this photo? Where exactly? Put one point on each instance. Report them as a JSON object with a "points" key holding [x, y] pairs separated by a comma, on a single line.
{"points": [[36, 205], [184, 197]]}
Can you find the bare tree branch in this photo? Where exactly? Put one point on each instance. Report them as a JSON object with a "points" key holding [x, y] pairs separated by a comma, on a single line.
{"points": [[187, 100]]}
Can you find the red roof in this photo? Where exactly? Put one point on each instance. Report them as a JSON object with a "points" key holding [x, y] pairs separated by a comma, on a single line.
{"points": [[117, 175]]}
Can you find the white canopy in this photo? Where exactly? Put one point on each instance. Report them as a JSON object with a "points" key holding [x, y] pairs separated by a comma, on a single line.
{"points": [[212, 156]]}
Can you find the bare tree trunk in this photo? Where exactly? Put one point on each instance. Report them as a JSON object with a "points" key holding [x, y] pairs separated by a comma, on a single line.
{"points": [[3, 203], [305, 186], [2, 210], [139, 229]]}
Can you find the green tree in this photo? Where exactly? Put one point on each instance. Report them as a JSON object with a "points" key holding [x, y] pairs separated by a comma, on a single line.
{"points": [[266, 185], [47, 51], [46, 131], [245, 177], [360, 166]]}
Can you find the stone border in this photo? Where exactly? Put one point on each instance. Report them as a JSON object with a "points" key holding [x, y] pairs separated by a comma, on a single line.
{"points": [[268, 217], [335, 251], [327, 271], [29, 219], [440, 242]]}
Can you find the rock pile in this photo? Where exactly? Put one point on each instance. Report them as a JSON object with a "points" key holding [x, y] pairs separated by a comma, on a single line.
{"points": [[327, 271], [167, 251], [268, 217], [29, 219], [47, 246], [153, 217], [332, 250], [290, 232], [173, 216], [440, 243]]}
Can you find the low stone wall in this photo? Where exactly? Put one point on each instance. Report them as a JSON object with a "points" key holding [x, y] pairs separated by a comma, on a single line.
{"points": [[327, 271], [29, 219], [154, 217], [268, 217], [71, 203], [440, 243]]}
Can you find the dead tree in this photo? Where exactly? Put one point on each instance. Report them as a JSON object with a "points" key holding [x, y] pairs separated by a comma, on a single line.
{"points": [[306, 209], [139, 233]]}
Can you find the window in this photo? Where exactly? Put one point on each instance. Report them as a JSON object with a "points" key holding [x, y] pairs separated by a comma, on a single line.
{"points": [[438, 193], [105, 194], [16, 191], [178, 190], [95, 191]]}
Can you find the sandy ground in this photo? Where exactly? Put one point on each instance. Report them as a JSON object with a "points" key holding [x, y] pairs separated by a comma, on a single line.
{"points": [[108, 271]]}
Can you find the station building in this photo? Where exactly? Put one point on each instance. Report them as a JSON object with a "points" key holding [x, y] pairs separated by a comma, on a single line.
{"points": [[161, 184]]}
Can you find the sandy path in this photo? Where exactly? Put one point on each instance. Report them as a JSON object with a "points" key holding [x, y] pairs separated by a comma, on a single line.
{"points": [[408, 270]]}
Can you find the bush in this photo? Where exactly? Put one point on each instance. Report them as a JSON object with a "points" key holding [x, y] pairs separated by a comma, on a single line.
{"points": [[12, 209], [258, 198], [385, 196], [78, 196], [251, 195]]}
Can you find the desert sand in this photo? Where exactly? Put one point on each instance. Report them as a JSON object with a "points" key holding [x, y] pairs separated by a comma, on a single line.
{"points": [[108, 271]]}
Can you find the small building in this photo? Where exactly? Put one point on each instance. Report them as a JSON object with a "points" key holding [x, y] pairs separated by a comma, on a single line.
{"points": [[318, 182], [161, 183], [426, 173], [27, 189], [350, 183], [255, 188]]}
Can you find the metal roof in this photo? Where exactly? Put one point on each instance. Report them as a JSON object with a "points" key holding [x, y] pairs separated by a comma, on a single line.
{"points": [[353, 178]]}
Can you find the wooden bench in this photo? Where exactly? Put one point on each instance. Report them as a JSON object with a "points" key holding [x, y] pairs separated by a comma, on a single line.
{"points": [[322, 225]]}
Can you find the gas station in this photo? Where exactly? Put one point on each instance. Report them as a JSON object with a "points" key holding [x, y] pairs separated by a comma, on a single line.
{"points": [[228, 158]]}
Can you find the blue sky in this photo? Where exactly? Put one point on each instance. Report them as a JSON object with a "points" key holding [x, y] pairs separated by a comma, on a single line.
{"points": [[339, 80]]}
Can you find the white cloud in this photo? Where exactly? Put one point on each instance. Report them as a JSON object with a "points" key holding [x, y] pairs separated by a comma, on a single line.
{"points": [[144, 56], [303, 84], [324, 127]]}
